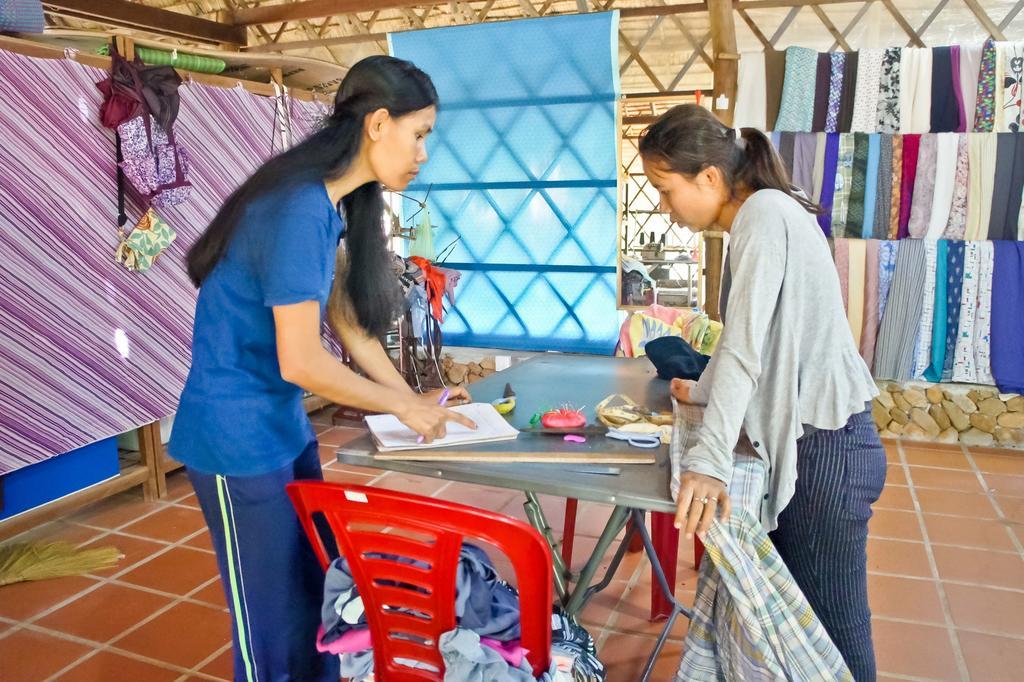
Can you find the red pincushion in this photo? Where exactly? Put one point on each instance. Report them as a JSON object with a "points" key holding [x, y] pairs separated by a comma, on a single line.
{"points": [[563, 419]]}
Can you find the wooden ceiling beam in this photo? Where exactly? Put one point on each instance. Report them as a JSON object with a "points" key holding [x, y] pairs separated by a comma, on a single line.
{"points": [[316, 9], [132, 15]]}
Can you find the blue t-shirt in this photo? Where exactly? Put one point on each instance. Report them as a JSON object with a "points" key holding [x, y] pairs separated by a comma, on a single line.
{"points": [[237, 416]]}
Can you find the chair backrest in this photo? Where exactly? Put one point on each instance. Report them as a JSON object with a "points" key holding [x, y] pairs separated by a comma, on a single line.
{"points": [[370, 522]]}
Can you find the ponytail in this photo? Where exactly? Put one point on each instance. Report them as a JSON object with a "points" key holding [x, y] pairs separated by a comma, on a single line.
{"points": [[689, 138]]}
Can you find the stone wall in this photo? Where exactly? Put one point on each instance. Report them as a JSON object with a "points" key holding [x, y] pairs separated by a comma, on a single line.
{"points": [[974, 416], [462, 374]]}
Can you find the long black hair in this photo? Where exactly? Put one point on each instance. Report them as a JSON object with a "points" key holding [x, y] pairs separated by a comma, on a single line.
{"points": [[689, 138], [374, 83]]}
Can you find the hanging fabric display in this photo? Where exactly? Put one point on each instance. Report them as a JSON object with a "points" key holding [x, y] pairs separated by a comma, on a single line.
{"points": [[944, 111], [883, 198], [822, 80], [946, 149], [837, 66], [894, 354], [869, 77], [1009, 81], [921, 199], [796, 110], [940, 315], [843, 184], [1007, 324], [888, 109], [915, 90], [897, 187], [970, 70], [850, 69], [954, 290], [872, 287], [956, 226], [751, 93], [923, 341]]}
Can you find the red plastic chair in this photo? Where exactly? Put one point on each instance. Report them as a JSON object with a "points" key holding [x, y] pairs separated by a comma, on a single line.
{"points": [[371, 521]]}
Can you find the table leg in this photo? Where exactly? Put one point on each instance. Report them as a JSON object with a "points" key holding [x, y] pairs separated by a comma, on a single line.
{"points": [[666, 589], [666, 540], [535, 514], [578, 596]]}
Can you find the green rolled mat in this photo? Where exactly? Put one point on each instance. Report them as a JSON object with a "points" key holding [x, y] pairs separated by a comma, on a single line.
{"points": [[179, 60]]}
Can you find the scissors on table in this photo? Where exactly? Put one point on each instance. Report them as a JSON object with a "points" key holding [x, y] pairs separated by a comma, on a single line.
{"points": [[637, 440]]}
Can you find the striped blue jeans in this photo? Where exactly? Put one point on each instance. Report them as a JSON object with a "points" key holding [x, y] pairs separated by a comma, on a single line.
{"points": [[823, 532]]}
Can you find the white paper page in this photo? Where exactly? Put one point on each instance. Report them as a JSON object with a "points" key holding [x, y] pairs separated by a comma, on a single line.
{"points": [[391, 434]]}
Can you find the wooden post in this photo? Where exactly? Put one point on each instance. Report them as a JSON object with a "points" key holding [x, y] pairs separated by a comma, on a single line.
{"points": [[152, 455], [726, 74]]}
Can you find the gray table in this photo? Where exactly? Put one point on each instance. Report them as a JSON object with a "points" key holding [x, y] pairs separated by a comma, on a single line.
{"points": [[551, 381]]}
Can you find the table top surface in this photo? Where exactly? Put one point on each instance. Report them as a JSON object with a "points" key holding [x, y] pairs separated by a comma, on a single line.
{"points": [[546, 382]]}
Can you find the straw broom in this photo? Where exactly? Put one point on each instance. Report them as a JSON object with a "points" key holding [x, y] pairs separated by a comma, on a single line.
{"points": [[41, 560]]}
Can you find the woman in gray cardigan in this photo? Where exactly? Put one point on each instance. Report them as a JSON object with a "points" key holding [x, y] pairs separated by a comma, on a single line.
{"points": [[786, 379]]}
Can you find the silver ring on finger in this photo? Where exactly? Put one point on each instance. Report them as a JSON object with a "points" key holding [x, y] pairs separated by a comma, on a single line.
{"points": [[705, 501]]}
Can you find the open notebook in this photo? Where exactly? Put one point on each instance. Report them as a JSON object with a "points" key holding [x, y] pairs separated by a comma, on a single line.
{"points": [[391, 435]]}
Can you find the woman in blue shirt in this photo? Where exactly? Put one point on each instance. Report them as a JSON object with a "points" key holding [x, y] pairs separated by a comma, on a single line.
{"points": [[265, 269]]}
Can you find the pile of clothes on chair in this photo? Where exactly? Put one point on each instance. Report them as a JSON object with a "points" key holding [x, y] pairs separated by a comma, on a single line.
{"points": [[483, 646]]}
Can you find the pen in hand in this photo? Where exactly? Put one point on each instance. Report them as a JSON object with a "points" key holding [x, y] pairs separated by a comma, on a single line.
{"points": [[444, 399]]}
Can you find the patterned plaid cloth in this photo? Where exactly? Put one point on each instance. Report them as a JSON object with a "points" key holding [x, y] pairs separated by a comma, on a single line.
{"points": [[750, 620]]}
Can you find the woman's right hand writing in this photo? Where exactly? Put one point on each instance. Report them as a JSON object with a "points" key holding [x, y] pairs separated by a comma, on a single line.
{"points": [[430, 421]]}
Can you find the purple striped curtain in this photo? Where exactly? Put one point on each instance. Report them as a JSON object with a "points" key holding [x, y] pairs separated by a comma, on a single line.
{"points": [[88, 349]]}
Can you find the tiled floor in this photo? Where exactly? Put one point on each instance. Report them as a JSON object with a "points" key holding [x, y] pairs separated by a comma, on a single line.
{"points": [[946, 565]]}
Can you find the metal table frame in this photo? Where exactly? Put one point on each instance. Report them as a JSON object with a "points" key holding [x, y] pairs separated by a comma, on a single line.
{"points": [[631, 489]]}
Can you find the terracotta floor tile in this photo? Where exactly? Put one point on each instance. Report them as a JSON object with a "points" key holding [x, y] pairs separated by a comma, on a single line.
{"points": [[201, 541], [602, 605], [340, 435], [479, 496], [323, 415], [212, 594], [105, 666], [60, 531], [945, 479], [992, 659], [21, 601], [624, 655], [897, 525], [22, 659], [418, 485], [178, 571], [895, 497], [1013, 507], [968, 532], [916, 650], [178, 485], [980, 608], [1003, 462], [980, 567], [634, 613], [333, 475], [895, 475], [133, 549], [190, 501], [223, 666], [1005, 484], [583, 548], [898, 557], [905, 598], [116, 511], [553, 508], [170, 524], [973, 505], [931, 457], [184, 636], [104, 613]]}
